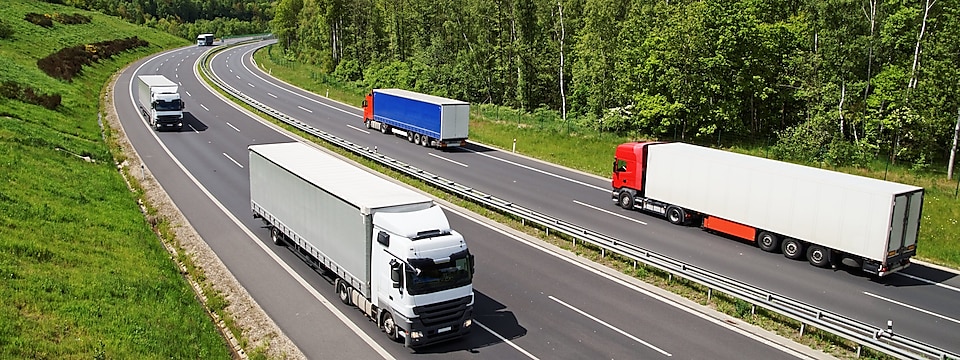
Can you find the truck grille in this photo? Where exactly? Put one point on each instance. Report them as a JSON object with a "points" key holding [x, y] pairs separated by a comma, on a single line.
{"points": [[443, 312]]}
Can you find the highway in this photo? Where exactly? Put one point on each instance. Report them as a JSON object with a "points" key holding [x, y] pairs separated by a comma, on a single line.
{"points": [[530, 302], [923, 302]]}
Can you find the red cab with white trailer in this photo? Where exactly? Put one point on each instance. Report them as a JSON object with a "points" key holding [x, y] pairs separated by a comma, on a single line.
{"points": [[826, 216]]}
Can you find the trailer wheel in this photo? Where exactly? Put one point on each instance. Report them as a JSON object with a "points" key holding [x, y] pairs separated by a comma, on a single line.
{"points": [[676, 215], [384, 128], [410, 136], [276, 236], [768, 242], [818, 256], [389, 327], [792, 248], [425, 141], [343, 292], [626, 200]]}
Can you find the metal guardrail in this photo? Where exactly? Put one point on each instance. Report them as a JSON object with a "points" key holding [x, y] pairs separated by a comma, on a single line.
{"points": [[864, 334]]}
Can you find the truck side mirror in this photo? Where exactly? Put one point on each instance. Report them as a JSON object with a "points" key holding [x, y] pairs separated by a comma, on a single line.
{"points": [[396, 269], [383, 238], [182, 104], [615, 169], [364, 103], [473, 266]]}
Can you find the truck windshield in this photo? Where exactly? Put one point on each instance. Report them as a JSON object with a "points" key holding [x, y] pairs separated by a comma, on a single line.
{"points": [[168, 105], [437, 277]]}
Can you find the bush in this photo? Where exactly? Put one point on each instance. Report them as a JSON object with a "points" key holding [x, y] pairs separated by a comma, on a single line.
{"points": [[6, 30], [71, 19], [68, 62], [13, 90], [39, 19]]}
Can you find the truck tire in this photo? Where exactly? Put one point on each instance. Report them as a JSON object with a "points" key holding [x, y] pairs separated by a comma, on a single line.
{"points": [[425, 141], [384, 128], [276, 236], [768, 241], [818, 256], [416, 139], [389, 326], [368, 123], [410, 136], [625, 200], [792, 248], [676, 215], [343, 292]]}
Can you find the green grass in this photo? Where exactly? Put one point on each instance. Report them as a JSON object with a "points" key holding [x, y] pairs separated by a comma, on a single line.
{"points": [[82, 275], [546, 137]]}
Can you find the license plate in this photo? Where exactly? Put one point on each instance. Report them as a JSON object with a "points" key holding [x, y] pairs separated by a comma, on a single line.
{"points": [[443, 330]]}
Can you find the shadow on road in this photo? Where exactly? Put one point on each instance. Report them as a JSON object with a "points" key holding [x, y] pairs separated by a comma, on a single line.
{"points": [[191, 122], [920, 271], [491, 314]]}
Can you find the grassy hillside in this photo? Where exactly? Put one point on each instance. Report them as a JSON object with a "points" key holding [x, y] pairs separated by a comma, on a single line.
{"points": [[81, 273], [539, 137]]}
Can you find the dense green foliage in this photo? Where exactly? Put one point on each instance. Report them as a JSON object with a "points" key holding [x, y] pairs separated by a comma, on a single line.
{"points": [[82, 276], [187, 18], [834, 80]]}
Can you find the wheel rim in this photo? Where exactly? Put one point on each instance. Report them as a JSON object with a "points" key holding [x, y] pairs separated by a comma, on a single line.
{"points": [[790, 248], [275, 235], [766, 241], [624, 200], [674, 216], [344, 296], [390, 327], [383, 128], [409, 136], [816, 256]]}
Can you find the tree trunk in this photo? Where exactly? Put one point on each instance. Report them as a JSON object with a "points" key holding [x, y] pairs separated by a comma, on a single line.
{"points": [[916, 51], [953, 149], [563, 95]]}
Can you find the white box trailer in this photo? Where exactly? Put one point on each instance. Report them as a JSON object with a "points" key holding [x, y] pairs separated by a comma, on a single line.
{"points": [[159, 100], [874, 221], [386, 244]]}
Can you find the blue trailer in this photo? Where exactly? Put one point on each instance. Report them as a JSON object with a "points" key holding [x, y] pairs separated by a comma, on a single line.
{"points": [[426, 120]]}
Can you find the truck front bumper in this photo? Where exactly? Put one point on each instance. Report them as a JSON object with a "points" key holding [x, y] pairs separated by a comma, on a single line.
{"points": [[418, 334]]}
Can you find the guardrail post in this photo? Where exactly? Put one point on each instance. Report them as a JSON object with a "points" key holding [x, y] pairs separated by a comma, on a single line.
{"points": [[709, 294], [603, 252], [858, 350]]}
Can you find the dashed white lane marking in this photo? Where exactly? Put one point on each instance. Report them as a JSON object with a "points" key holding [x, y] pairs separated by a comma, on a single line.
{"points": [[609, 212], [452, 161]]}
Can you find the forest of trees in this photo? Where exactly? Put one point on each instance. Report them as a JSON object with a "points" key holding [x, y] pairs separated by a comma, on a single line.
{"points": [[187, 18], [841, 81]]}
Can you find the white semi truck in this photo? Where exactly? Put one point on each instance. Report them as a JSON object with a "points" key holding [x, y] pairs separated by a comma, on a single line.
{"points": [[826, 216], [159, 100], [390, 250]]}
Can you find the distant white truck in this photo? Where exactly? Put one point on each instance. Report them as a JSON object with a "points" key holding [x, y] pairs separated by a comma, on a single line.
{"points": [[159, 100], [390, 249], [205, 40]]}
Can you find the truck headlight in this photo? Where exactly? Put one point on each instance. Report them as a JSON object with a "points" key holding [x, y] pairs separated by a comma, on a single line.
{"points": [[416, 334], [467, 323]]}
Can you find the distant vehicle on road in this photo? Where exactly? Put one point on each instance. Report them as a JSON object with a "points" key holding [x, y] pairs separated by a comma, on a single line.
{"points": [[159, 100], [205, 40]]}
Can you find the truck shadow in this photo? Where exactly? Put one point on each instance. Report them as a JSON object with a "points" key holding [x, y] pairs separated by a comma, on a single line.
{"points": [[908, 275], [493, 315], [191, 122]]}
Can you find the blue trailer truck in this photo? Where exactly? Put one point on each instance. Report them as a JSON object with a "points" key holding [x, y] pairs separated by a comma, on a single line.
{"points": [[426, 120]]}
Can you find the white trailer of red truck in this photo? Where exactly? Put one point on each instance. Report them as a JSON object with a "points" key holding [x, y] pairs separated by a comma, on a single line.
{"points": [[390, 249], [826, 216]]}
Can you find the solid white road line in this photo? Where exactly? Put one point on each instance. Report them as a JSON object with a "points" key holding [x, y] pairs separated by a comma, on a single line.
{"points": [[614, 328], [931, 282], [304, 109], [609, 212], [231, 125], [231, 159], [204, 107], [515, 346], [540, 171], [908, 306], [452, 161], [358, 129]]}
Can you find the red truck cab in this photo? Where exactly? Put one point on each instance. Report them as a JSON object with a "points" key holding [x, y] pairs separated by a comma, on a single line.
{"points": [[367, 106], [628, 166]]}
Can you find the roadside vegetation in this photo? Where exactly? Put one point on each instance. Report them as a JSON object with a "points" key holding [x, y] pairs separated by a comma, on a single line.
{"points": [[543, 135], [82, 272]]}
